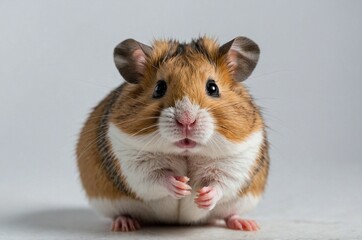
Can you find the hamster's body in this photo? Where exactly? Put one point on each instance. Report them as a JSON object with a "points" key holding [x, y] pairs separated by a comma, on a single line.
{"points": [[166, 147]]}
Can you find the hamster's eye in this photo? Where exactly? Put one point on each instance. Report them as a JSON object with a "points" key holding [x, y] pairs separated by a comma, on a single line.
{"points": [[212, 89], [160, 89]]}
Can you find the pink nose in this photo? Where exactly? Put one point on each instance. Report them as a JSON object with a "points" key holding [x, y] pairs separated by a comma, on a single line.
{"points": [[186, 122], [185, 119], [186, 125]]}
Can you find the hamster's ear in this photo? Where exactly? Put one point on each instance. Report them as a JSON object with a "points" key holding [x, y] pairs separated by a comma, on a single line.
{"points": [[242, 54], [130, 59]]}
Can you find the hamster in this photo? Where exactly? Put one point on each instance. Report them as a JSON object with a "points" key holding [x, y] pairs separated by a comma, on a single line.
{"points": [[181, 141]]}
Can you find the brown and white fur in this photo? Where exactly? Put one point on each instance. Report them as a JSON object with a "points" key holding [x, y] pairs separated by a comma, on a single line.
{"points": [[186, 157]]}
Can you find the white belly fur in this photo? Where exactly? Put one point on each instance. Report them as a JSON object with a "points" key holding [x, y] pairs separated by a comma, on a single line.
{"points": [[169, 210], [157, 206]]}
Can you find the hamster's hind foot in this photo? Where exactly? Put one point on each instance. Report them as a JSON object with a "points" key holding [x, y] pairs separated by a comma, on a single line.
{"points": [[125, 223], [235, 222]]}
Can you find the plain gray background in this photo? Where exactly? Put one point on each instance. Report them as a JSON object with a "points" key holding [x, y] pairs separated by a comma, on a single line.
{"points": [[56, 64]]}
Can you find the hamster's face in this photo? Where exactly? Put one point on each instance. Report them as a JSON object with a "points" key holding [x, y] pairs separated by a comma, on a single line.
{"points": [[187, 103]]}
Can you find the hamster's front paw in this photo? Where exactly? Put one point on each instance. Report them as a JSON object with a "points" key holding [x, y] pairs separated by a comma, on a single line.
{"points": [[208, 197], [177, 186]]}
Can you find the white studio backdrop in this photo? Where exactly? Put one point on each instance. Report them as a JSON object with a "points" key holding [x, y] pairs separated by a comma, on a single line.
{"points": [[56, 63]]}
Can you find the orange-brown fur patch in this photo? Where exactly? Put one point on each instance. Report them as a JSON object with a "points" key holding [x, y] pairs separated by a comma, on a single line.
{"points": [[94, 178]]}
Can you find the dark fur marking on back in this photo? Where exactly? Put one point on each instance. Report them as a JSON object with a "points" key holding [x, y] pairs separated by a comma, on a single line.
{"points": [[262, 162], [107, 158]]}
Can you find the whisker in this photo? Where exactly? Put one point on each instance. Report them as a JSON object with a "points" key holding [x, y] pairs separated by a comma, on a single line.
{"points": [[139, 152], [95, 84], [268, 73], [143, 129], [216, 144], [119, 123], [228, 130], [91, 144], [222, 105]]}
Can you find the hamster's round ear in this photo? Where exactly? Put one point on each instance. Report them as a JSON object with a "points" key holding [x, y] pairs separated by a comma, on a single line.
{"points": [[130, 59], [243, 55]]}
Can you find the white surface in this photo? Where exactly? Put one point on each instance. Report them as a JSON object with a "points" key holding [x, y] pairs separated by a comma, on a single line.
{"points": [[56, 63], [81, 223]]}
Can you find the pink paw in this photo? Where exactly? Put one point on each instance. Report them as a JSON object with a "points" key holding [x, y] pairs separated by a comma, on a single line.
{"points": [[125, 224], [207, 197], [177, 186], [237, 223]]}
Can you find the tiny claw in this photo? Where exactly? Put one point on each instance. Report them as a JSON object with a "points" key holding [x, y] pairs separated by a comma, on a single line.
{"points": [[177, 186], [183, 179], [204, 190], [235, 222], [125, 224], [207, 197]]}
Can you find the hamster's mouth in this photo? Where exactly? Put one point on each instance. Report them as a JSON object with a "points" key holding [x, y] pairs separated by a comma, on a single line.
{"points": [[186, 143]]}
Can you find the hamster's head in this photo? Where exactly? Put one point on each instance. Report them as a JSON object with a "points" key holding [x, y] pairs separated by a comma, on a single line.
{"points": [[186, 98]]}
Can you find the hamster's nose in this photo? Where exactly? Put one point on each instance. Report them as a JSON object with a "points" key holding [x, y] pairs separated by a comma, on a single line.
{"points": [[186, 123]]}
